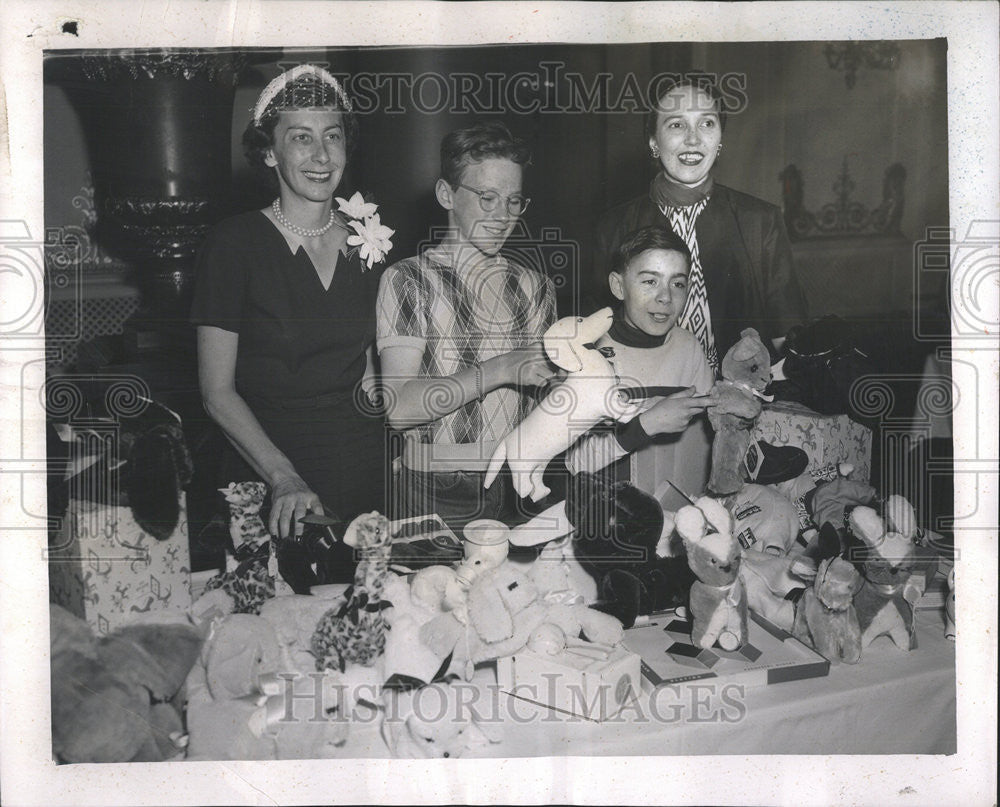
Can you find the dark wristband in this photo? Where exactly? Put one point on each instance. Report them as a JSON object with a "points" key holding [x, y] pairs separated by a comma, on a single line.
{"points": [[631, 436]]}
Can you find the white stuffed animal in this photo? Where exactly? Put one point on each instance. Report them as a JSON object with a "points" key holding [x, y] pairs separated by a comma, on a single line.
{"points": [[590, 393]]}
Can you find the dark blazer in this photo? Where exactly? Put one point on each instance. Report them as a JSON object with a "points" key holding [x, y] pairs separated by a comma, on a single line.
{"points": [[745, 256]]}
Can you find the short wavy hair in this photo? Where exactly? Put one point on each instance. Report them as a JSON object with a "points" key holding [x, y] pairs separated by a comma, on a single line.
{"points": [[699, 81], [636, 242], [476, 143]]}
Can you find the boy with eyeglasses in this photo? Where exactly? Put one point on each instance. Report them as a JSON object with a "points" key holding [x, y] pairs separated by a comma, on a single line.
{"points": [[459, 329]]}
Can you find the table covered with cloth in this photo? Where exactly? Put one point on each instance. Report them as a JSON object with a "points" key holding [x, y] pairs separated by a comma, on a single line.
{"points": [[892, 702]]}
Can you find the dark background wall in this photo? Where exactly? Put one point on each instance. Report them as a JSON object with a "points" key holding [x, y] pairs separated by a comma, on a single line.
{"points": [[797, 110]]}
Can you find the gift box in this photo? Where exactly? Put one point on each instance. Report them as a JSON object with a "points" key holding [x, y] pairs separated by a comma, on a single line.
{"points": [[109, 572], [826, 439], [582, 685]]}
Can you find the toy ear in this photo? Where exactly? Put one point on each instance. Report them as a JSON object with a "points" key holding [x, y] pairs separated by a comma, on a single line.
{"points": [[900, 516], [562, 344], [821, 571], [690, 524]]}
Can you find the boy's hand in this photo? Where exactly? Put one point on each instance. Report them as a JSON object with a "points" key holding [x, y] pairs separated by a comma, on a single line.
{"points": [[527, 366], [673, 413]]}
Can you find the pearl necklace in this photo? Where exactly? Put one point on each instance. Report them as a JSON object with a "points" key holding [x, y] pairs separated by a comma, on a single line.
{"points": [[302, 231]]}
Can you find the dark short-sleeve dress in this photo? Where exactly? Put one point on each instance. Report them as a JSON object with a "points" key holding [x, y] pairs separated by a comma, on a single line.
{"points": [[301, 357]]}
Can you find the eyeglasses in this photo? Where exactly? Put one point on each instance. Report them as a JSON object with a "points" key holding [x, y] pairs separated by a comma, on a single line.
{"points": [[488, 201]]}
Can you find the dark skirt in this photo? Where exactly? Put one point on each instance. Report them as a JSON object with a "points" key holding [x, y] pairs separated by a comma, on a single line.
{"points": [[340, 451]]}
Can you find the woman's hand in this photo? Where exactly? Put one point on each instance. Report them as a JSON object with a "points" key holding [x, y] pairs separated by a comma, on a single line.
{"points": [[527, 366], [291, 499], [673, 413]]}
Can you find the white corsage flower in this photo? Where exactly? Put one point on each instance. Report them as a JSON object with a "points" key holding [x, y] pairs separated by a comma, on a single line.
{"points": [[371, 236], [371, 239], [356, 207]]}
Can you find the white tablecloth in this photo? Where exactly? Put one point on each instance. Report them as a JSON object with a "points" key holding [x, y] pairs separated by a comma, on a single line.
{"points": [[893, 702]]}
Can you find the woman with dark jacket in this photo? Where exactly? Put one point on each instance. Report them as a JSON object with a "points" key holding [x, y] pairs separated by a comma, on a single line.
{"points": [[742, 274]]}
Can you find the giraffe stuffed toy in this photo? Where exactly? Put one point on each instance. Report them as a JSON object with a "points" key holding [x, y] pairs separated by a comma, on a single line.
{"points": [[354, 632], [248, 580]]}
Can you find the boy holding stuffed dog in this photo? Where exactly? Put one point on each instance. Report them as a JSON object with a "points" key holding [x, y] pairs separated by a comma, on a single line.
{"points": [[660, 365], [459, 330]]}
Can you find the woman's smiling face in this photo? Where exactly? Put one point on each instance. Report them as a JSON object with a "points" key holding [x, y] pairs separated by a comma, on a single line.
{"points": [[688, 135], [309, 152]]}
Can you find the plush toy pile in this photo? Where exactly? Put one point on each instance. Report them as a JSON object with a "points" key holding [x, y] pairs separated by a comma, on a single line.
{"points": [[258, 672]]}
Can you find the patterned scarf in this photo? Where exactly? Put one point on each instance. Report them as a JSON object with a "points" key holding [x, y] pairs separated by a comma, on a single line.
{"points": [[681, 206]]}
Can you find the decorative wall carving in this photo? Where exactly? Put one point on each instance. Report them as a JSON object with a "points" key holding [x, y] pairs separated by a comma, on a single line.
{"points": [[851, 56], [844, 215]]}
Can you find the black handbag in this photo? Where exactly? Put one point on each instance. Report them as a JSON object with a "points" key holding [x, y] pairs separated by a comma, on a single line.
{"points": [[822, 362]]}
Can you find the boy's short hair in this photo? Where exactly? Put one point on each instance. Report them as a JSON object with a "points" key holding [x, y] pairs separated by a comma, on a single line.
{"points": [[652, 237], [476, 143]]}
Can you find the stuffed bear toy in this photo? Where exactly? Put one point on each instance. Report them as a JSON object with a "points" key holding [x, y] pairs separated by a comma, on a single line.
{"points": [[746, 372], [887, 560], [825, 617], [556, 571], [590, 393], [119, 699], [718, 599], [435, 721]]}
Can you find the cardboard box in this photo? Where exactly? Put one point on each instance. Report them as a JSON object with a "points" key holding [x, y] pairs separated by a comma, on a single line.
{"points": [[769, 656], [595, 689], [826, 439], [110, 572]]}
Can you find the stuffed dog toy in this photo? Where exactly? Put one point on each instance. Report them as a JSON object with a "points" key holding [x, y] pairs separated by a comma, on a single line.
{"points": [[718, 599], [503, 611], [746, 372], [825, 617], [590, 393], [617, 531], [887, 561]]}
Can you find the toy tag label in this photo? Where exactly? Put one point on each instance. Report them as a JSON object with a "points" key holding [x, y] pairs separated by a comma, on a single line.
{"points": [[746, 511], [746, 538], [753, 460]]}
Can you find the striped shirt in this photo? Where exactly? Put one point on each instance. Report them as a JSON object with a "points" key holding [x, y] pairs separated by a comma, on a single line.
{"points": [[458, 321]]}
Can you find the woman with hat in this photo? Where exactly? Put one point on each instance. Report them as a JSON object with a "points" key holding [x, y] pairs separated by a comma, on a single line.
{"points": [[285, 309]]}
